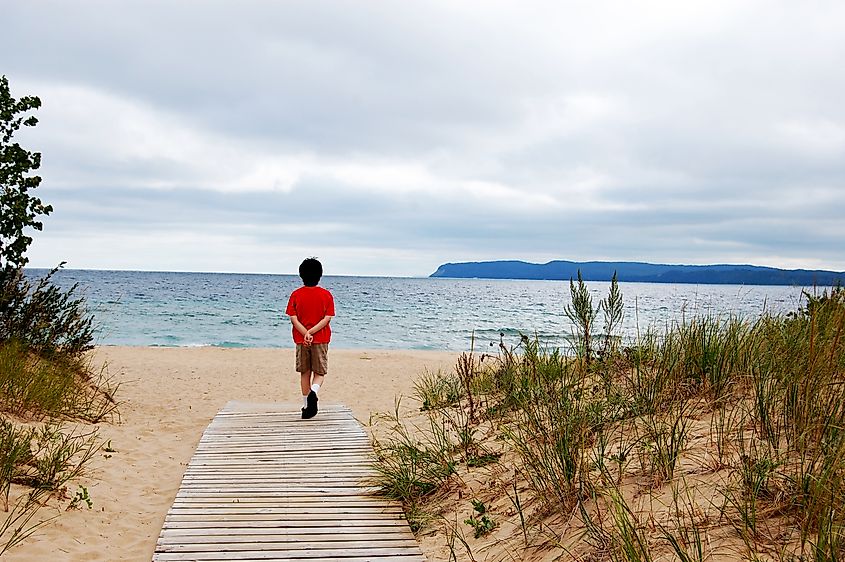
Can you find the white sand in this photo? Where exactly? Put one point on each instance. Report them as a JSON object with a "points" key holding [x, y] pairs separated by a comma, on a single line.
{"points": [[169, 396]]}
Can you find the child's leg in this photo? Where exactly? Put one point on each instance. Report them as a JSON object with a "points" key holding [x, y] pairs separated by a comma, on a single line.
{"points": [[319, 365], [303, 366], [317, 379], [305, 382]]}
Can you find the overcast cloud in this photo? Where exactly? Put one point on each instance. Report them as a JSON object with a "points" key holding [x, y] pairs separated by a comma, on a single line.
{"points": [[389, 137]]}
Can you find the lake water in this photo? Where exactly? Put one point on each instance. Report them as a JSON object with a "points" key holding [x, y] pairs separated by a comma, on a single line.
{"points": [[246, 310]]}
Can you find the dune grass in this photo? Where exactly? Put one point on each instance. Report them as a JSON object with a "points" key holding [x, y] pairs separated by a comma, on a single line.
{"points": [[46, 440], [37, 387], [718, 437], [50, 400]]}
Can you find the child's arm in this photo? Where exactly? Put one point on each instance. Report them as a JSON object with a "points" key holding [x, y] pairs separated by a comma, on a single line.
{"points": [[300, 327], [319, 325], [307, 334]]}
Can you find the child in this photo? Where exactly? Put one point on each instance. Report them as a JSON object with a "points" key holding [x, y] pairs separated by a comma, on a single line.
{"points": [[311, 308]]}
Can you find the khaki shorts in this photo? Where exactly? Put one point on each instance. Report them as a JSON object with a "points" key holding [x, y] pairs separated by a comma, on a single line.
{"points": [[313, 358]]}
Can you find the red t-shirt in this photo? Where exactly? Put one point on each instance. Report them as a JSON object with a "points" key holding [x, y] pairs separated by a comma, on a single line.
{"points": [[310, 305]]}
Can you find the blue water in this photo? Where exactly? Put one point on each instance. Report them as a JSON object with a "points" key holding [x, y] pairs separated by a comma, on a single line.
{"points": [[246, 310]]}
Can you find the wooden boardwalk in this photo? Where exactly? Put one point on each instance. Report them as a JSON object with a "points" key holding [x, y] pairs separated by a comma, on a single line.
{"points": [[267, 485]]}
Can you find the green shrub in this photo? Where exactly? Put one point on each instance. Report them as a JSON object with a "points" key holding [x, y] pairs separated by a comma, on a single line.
{"points": [[47, 319]]}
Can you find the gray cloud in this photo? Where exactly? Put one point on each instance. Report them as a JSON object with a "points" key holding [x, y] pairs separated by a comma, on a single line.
{"points": [[395, 136]]}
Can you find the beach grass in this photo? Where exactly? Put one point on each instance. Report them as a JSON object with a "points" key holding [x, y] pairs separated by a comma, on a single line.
{"points": [[47, 434], [37, 387], [716, 438], [50, 399]]}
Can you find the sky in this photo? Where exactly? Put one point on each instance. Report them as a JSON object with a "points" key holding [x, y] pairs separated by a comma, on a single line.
{"points": [[387, 138]]}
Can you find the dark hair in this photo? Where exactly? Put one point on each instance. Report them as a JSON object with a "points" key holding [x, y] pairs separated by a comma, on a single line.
{"points": [[310, 270]]}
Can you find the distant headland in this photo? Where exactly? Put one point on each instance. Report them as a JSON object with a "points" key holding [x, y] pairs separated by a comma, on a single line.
{"points": [[722, 274]]}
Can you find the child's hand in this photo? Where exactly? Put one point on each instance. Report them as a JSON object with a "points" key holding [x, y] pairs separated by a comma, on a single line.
{"points": [[309, 338]]}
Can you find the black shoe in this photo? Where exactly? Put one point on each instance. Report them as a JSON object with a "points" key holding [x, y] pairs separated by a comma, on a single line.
{"points": [[311, 410]]}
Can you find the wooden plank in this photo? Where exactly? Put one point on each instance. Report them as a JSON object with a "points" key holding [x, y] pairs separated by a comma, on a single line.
{"points": [[284, 545], [277, 523], [276, 468], [290, 540], [290, 449], [314, 512], [264, 484], [321, 533], [305, 506], [324, 504], [316, 477], [364, 512], [314, 491], [247, 487], [289, 502], [175, 518], [289, 557], [259, 435], [372, 555]]}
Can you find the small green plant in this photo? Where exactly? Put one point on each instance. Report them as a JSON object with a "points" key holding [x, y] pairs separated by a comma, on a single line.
{"points": [[435, 390], [467, 371], [21, 523], [79, 497], [520, 509], [60, 456], [44, 459], [664, 439], [688, 538], [647, 378], [629, 542], [613, 310], [829, 543], [582, 314], [725, 430], [620, 456], [483, 460], [15, 455], [481, 523], [553, 427], [412, 462], [753, 488]]}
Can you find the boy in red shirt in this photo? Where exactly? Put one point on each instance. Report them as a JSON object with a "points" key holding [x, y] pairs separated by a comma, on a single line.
{"points": [[311, 308]]}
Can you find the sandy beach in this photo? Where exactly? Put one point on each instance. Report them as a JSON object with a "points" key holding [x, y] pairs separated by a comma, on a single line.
{"points": [[169, 395]]}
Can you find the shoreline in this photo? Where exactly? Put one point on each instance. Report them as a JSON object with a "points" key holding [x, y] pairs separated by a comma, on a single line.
{"points": [[168, 396], [291, 348]]}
